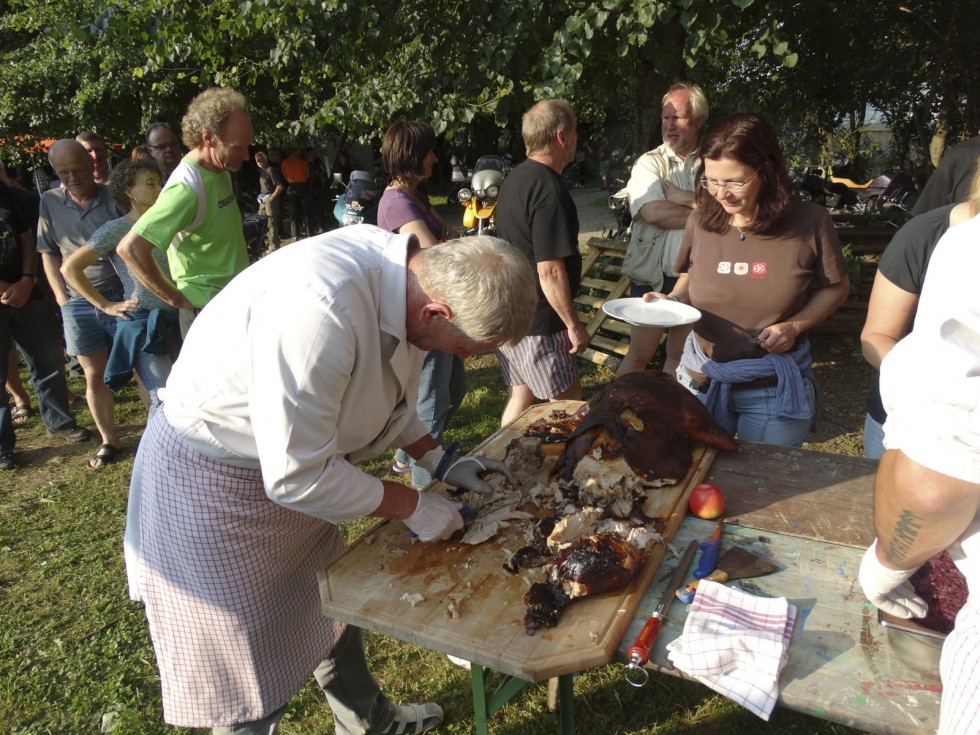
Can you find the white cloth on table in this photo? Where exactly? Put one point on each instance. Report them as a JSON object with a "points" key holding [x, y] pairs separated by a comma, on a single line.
{"points": [[736, 643]]}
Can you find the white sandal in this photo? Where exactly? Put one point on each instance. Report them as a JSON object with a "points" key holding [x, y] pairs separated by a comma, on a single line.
{"points": [[415, 719]]}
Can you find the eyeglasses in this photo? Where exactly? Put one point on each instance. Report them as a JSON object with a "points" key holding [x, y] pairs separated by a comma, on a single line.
{"points": [[733, 186], [165, 147]]}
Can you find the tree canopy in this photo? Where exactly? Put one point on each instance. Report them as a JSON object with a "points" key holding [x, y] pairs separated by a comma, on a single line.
{"points": [[317, 68]]}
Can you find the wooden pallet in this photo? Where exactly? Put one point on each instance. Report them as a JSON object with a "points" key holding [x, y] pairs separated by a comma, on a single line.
{"points": [[603, 280]]}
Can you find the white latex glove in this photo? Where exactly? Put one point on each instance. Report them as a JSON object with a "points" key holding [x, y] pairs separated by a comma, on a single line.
{"points": [[465, 472], [889, 589], [434, 517]]}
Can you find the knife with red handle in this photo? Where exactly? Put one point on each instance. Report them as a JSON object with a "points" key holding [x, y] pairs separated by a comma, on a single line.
{"points": [[709, 552], [639, 652]]}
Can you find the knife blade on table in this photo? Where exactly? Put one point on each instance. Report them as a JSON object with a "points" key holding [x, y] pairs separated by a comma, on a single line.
{"points": [[734, 563], [639, 652]]}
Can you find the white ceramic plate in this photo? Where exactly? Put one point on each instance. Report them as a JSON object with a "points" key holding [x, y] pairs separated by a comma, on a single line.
{"points": [[658, 313]]}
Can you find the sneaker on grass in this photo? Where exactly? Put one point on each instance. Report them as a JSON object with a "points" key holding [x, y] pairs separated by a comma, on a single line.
{"points": [[413, 719]]}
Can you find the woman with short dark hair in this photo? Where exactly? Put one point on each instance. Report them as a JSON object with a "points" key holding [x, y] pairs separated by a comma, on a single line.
{"points": [[763, 269], [408, 151]]}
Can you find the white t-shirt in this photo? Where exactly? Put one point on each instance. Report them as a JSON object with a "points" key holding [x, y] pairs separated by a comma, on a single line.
{"points": [[930, 381]]}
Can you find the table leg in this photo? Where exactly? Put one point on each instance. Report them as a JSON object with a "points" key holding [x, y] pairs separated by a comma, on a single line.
{"points": [[484, 705], [566, 705]]}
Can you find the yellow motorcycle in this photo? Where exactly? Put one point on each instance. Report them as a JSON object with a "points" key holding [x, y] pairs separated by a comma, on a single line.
{"points": [[480, 199]]}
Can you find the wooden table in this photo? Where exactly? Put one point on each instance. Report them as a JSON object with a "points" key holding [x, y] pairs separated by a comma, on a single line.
{"points": [[810, 512], [389, 583]]}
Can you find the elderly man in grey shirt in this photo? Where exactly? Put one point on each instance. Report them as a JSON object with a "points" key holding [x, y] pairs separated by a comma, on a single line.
{"points": [[69, 215]]}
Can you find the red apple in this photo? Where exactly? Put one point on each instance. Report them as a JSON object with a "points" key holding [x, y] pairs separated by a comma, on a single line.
{"points": [[707, 501]]}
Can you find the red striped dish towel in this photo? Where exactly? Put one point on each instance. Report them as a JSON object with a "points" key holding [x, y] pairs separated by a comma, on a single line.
{"points": [[736, 643]]}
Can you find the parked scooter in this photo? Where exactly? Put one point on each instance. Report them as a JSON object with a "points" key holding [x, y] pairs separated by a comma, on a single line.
{"points": [[359, 203], [480, 199], [460, 179]]}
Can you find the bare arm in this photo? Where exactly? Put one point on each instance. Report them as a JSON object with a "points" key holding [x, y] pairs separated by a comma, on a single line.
{"points": [[73, 271], [399, 501], [137, 252], [52, 269], [779, 338], [558, 292], [918, 512], [421, 230], [277, 192], [891, 311], [665, 214]]}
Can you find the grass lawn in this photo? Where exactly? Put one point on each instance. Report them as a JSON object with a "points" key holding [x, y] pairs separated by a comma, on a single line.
{"points": [[75, 656]]}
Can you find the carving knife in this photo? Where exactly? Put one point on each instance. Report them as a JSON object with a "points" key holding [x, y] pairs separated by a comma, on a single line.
{"points": [[639, 653]]}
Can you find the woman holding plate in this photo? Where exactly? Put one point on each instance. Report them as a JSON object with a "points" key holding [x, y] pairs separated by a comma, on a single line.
{"points": [[763, 269]]}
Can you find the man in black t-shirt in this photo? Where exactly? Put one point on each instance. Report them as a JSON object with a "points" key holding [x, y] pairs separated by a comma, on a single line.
{"points": [[27, 317], [950, 182], [537, 214]]}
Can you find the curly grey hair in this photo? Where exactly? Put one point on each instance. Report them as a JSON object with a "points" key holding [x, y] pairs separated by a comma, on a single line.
{"points": [[209, 113]]}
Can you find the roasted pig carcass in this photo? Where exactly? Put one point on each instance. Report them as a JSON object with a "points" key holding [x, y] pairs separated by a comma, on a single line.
{"points": [[648, 420], [588, 566]]}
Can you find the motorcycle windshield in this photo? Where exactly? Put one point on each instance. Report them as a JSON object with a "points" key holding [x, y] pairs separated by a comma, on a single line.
{"points": [[361, 194], [484, 163]]}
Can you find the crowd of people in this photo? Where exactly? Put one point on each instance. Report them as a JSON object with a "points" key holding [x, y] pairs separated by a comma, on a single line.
{"points": [[266, 384]]}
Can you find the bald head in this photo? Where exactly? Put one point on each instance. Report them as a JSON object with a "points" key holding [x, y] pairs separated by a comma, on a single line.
{"points": [[71, 163]]}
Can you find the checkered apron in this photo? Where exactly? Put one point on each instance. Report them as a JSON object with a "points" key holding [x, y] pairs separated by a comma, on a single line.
{"points": [[229, 582]]}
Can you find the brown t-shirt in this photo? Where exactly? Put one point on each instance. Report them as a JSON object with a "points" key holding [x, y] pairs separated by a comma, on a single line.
{"points": [[758, 282]]}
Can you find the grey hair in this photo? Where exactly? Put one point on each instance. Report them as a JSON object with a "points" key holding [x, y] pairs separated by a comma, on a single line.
{"points": [[487, 283], [543, 122], [697, 102]]}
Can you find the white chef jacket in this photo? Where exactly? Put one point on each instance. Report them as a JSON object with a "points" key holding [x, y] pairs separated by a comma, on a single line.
{"points": [[301, 367]]}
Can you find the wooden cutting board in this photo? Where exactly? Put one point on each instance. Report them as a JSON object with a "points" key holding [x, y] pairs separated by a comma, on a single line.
{"points": [[373, 583]]}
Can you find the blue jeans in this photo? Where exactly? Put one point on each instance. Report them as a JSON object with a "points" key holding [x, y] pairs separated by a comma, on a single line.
{"points": [[87, 329], [874, 438], [442, 386], [757, 411], [35, 328]]}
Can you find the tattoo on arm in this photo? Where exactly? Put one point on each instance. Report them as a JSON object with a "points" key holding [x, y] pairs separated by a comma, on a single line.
{"points": [[904, 536]]}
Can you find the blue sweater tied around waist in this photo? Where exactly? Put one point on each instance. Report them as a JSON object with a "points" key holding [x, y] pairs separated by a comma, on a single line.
{"points": [[146, 331], [790, 368]]}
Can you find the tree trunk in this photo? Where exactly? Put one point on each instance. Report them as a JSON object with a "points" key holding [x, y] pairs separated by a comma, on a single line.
{"points": [[666, 45]]}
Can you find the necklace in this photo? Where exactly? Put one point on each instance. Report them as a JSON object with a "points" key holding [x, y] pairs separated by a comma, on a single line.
{"points": [[741, 232]]}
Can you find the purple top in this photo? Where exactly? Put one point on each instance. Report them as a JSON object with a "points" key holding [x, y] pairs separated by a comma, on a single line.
{"points": [[397, 209]]}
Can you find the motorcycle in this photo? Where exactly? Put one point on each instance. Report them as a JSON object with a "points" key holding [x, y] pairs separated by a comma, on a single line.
{"points": [[480, 200], [460, 178], [809, 185], [620, 167], [619, 203], [359, 202], [867, 196]]}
